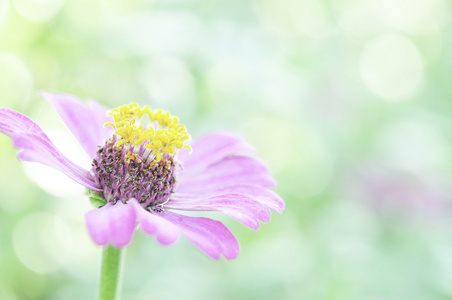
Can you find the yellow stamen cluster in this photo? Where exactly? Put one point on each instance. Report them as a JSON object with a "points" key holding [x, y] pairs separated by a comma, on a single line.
{"points": [[166, 138]]}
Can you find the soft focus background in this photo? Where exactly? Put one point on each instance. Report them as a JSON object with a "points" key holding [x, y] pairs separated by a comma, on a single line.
{"points": [[348, 101]]}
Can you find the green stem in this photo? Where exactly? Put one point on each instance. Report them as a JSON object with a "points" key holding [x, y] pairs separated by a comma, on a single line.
{"points": [[110, 273]]}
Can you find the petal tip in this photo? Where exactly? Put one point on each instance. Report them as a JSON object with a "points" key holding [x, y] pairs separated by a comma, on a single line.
{"points": [[167, 240], [111, 224]]}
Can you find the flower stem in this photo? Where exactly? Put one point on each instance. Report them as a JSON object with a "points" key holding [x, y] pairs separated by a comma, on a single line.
{"points": [[109, 285]]}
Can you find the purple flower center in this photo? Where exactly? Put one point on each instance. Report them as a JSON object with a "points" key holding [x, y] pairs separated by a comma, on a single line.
{"points": [[126, 171]]}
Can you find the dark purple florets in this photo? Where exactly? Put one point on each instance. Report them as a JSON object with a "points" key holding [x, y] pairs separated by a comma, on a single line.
{"points": [[125, 172]]}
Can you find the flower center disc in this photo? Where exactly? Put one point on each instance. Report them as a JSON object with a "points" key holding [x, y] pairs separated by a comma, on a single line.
{"points": [[123, 175], [139, 162]]}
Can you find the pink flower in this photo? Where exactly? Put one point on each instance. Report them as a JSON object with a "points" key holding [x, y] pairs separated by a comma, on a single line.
{"points": [[141, 174]]}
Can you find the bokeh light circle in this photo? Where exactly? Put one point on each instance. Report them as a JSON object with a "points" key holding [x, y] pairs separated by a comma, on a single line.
{"points": [[364, 18], [42, 242], [415, 16], [38, 10], [16, 82], [391, 66]]}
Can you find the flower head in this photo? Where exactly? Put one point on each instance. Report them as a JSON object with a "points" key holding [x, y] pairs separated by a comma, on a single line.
{"points": [[144, 167]]}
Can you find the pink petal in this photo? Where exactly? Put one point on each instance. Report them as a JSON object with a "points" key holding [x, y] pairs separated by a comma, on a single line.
{"points": [[229, 171], [166, 232], [37, 147], [85, 120], [212, 148], [112, 224], [240, 207], [256, 192], [212, 237]]}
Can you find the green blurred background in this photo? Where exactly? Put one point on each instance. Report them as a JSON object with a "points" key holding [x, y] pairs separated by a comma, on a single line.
{"points": [[348, 101]]}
